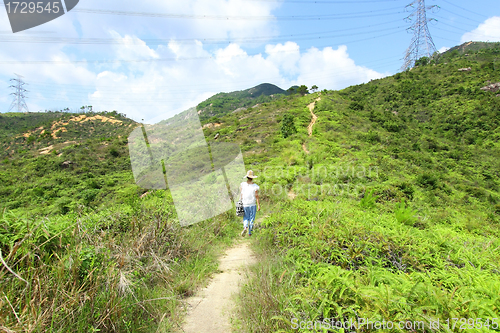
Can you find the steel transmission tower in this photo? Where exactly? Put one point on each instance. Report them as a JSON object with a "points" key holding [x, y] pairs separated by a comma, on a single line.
{"points": [[421, 43], [19, 95]]}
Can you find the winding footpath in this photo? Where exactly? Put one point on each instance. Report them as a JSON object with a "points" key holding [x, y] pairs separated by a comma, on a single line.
{"points": [[314, 117], [313, 121], [211, 309]]}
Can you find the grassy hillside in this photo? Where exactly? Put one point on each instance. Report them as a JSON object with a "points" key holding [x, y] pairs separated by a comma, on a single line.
{"points": [[56, 162], [83, 248], [473, 47], [390, 210], [224, 103]]}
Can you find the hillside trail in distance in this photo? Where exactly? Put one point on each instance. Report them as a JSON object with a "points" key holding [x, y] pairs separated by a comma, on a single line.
{"points": [[313, 121], [314, 117], [211, 309]]}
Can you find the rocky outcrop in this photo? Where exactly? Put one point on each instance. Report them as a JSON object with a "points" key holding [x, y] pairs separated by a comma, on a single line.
{"points": [[211, 125], [66, 164], [494, 87]]}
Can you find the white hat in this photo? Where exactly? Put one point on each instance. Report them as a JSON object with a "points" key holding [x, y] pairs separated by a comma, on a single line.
{"points": [[250, 174]]}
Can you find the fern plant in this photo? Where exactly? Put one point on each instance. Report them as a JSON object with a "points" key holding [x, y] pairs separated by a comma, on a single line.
{"points": [[368, 200], [404, 214]]}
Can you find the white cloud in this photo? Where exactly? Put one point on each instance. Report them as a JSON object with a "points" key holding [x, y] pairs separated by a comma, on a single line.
{"points": [[97, 25], [284, 56], [487, 31], [132, 47], [164, 89], [443, 49], [332, 69], [234, 28]]}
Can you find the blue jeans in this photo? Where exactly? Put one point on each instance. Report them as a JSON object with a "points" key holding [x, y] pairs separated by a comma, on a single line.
{"points": [[249, 217]]}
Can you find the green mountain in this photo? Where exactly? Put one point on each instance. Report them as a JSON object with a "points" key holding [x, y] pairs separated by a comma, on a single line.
{"points": [[224, 103], [385, 208]]}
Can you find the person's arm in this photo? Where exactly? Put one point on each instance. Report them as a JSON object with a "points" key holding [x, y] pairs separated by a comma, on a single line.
{"points": [[257, 198], [241, 193]]}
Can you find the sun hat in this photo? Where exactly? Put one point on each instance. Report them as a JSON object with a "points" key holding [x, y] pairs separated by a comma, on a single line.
{"points": [[250, 174]]}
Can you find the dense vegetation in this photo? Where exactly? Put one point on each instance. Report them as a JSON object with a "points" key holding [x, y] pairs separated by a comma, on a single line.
{"points": [[389, 211], [394, 213]]}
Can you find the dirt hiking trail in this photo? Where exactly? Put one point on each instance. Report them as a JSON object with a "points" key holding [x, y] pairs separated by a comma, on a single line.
{"points": [[314, 117], [211, 309], [313, 121]]}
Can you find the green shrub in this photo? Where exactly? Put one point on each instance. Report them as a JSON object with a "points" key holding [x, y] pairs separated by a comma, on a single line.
{"points": [[404, 214], [63, 205], [368, 200], [89, 195], [92, 183], [427, 180], [110, 182], [288, 126], [114, 152], [392, 126], [356, 106], [422, 61], [407, 189], [373, 137]]}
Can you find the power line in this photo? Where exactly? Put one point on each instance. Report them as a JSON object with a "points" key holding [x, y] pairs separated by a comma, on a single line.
{"points": [[462, 16], [323, 35], [325, 2], [467, 10], [205, 40], [19, 94], [441, 18], [421, 43], [238, 18]]}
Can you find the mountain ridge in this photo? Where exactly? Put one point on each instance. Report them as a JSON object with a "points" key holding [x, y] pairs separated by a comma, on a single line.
{"points": [[223, 103]]}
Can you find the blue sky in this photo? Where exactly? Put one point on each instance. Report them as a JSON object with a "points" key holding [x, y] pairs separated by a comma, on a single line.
{"points": [[153, 59]]}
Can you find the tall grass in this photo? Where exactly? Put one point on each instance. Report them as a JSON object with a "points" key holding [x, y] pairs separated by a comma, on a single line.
{"points": [[120, 270], [266, 296]]}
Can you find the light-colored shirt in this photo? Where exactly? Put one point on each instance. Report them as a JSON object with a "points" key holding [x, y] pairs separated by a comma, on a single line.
{"points": [[248, 194]]}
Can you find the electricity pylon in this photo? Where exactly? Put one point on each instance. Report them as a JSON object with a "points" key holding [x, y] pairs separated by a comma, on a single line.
{"points": [[421, 43], [19, 95]]}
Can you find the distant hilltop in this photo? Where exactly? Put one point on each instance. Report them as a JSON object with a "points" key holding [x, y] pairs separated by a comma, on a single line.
{"points": [[472, 47], [224, 103]]}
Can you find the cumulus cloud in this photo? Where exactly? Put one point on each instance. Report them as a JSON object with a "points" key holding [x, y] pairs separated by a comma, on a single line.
{"points": [[164, 89], [443, 49], [333, 69], [284, 56], [206, 18], [487, 31]]}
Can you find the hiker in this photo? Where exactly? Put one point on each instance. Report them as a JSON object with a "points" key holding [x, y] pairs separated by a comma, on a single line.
{"points": [[249, 195]]}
